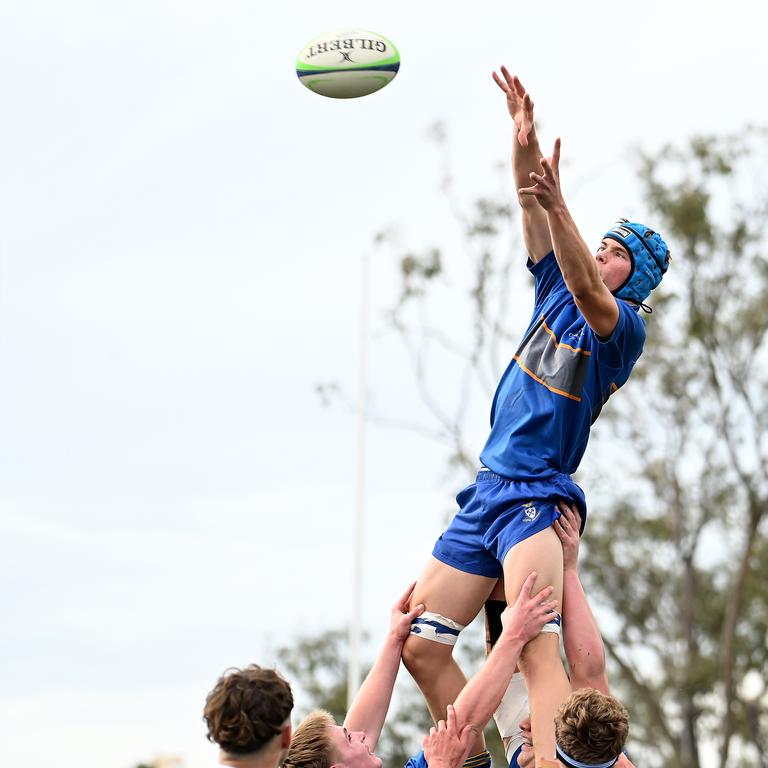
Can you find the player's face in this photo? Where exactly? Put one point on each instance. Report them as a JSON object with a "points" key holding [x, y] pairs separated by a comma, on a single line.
{"points": [[352, 749], [613, 263]]}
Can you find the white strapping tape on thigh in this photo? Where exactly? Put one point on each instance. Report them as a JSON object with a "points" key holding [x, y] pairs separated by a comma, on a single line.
{"points": [[554, 625], [512, 710], [433, 626]]}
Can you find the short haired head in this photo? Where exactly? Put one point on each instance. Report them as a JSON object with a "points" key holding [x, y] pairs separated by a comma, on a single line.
{"points": [[319, 743], [312, 745], [591, 727], [247, 709], [649, 256]]}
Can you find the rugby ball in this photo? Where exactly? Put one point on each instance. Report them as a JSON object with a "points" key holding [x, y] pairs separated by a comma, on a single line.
{"points": [[347, 63]]}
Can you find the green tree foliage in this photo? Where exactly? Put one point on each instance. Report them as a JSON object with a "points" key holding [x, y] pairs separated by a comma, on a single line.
{"points": [[680, 561], [318, 665]]}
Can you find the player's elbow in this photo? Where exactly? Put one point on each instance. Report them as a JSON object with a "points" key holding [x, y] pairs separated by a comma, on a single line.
{"points": [[587, 669], [585, 290], [528, 202]]}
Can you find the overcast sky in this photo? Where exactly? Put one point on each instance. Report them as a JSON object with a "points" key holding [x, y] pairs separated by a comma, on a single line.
{"points": [[181, 232]]}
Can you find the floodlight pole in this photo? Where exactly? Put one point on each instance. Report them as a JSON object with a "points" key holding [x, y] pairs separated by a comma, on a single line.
{"points": [[353, 668]]}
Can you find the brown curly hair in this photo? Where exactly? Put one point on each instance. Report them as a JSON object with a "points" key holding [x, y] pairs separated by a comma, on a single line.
{"points": [[591, 727], [247, 708]]}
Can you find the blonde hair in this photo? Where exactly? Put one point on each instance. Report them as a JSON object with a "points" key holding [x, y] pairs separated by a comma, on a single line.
{"points": [[591, 727], [311, 745]]}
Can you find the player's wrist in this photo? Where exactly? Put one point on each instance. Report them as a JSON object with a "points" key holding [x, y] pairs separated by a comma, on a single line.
{"points": [[571, 572], [558, 211], [394, 641], [512, 639], [531, 152]]}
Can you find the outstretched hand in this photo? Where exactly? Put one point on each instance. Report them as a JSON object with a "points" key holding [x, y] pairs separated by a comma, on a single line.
{"points": [[546, 186], [402, 618], [519, 103], [524, 620], [445, 746]]}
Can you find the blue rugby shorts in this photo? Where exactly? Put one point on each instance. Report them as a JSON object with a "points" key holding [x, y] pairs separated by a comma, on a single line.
{"points": [[496, 513]]}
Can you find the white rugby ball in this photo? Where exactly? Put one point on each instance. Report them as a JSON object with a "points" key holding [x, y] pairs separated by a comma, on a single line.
{"points": [[347, 63]]}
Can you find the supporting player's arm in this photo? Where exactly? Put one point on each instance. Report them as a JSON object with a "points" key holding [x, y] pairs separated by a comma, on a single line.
{"points": [[445, 746], [369, 708], [481, 696], [581, 637], [526, 157], [577, 263]]}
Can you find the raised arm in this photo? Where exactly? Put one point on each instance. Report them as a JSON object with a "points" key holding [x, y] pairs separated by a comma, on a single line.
{"points": [[369, 708], [581, 637], [522, 621], [577, 264], [526, 157]]}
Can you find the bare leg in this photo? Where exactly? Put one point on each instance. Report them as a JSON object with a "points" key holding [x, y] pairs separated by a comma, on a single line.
{"points": [[458, 596], [540, 661]]}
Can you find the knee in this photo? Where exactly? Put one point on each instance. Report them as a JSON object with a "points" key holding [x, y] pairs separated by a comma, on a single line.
{"points": [[423, 658], [590, 672]]}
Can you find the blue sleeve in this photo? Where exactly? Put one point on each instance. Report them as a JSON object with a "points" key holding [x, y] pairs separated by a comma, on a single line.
{"points": [[625, 344], [417, 761], [547, 277]]}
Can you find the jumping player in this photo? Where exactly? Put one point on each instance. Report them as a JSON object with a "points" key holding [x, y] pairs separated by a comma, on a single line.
{"points": [[581, 345]]}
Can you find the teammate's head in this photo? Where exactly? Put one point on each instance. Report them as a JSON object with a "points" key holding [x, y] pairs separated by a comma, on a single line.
{"points": [[591, 727], [249, 710], [319, 743], [632, 271]]}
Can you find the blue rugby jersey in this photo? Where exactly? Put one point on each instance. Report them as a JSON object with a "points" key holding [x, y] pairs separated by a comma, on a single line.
{"points": [[417, 761], [557, 383], [483, 760]]}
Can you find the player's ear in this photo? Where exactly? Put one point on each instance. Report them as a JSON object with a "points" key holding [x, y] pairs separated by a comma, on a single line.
{"points": [[285, 736]]}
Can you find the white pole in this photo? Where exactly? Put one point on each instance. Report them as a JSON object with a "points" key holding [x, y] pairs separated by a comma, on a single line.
{"points": [[353, 669]]}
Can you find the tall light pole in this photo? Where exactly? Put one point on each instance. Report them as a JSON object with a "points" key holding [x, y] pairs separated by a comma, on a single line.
{"points": [[353, 665]]}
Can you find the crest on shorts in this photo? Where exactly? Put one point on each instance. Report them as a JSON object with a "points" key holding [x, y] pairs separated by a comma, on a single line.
{"points": [[530, 512]]}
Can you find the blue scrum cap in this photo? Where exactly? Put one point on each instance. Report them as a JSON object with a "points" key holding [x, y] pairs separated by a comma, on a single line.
{"points": [[649, 255]]}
